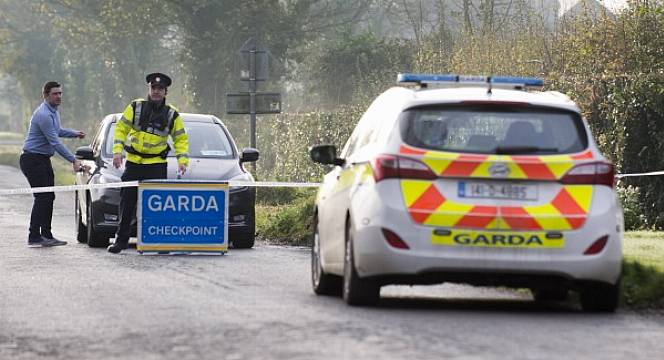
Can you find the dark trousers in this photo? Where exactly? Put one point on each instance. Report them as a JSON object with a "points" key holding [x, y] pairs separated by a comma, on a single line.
{"points": [[37, 168], [129, 195]]}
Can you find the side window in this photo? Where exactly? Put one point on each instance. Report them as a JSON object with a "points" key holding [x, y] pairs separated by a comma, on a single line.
{"points": [[96, 141], [350, 145], [367, 137]]}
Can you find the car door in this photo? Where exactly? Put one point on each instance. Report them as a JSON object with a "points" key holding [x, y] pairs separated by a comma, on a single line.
{"points": [[332, 209], [83, 177]]}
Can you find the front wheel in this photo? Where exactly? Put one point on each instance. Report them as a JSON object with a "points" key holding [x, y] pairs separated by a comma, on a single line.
{"points": [[95, 238], [356, 291], [322, 283], [81, 230]]}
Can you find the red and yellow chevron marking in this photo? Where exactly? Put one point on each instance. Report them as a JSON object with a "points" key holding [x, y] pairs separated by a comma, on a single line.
{"points": [[428, 206], [449, 164]]}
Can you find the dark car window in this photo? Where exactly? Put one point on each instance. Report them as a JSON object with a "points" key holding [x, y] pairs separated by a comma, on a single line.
{"points": [[494, 129], [207, 140]]}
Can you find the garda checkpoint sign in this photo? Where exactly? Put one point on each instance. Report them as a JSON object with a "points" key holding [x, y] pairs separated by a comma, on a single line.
{"points": [[182, 216]]}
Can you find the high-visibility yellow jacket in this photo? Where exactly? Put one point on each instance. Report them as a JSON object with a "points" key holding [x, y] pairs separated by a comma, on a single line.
{"points": [[146, 142]]}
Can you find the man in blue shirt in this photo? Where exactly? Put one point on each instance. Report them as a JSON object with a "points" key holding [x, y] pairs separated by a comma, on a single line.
{"points": [[40, 144]]}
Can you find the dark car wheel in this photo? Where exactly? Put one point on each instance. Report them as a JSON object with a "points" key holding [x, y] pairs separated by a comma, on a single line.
{"points": [[322, 283], [81, 230], [95, 239], [356, 291], [246, 239]]}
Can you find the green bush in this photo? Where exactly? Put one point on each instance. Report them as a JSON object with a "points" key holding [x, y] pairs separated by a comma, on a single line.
{"points": [[629, 198], [287, 224]]}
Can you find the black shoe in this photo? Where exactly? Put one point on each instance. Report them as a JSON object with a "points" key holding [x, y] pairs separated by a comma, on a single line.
{"points": [[44, 242], [115, 248], [52, 240]]}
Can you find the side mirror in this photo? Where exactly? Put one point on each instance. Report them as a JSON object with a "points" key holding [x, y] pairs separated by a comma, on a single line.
{"points": [[325, 154], [249, 155], [85, 153]]}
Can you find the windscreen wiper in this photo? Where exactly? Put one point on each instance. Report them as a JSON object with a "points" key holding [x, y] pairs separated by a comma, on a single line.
{"points": [[510, 150]]}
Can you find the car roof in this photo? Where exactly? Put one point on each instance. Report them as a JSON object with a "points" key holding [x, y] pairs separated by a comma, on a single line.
{"points": [[412, 98]]}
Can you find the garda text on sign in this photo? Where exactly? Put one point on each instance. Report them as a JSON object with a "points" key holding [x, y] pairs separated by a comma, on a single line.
{"points": [[182, 216]]}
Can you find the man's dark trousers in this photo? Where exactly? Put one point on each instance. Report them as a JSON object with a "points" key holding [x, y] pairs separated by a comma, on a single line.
{"points": [[39, 172], [129, 195]]}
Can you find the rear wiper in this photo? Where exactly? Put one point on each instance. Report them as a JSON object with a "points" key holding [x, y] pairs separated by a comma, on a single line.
{"points": [[506, 150]]}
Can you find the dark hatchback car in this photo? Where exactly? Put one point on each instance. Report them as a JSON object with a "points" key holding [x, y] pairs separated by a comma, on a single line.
{"points": [[212, 156]]}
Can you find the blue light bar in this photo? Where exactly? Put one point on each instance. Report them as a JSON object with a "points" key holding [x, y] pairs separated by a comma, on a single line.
{"points": [[425, 78], [526, 81], [509, 81]]}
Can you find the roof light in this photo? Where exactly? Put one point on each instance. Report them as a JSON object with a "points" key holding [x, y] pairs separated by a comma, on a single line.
{"points": [[465, 80]]}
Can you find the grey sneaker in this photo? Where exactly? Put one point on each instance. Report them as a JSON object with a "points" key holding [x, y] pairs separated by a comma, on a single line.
{"points": [[44, 242]]}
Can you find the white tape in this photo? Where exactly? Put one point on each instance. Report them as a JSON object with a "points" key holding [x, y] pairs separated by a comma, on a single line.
{"points": [[640, 174], [67, 188]]}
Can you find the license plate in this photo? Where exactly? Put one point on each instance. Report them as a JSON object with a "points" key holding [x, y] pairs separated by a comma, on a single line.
{"points": [[496, 239], [497, 190]]}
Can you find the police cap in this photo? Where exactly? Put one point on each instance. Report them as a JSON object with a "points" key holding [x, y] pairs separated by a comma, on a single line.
{"points": [[158, 79]]}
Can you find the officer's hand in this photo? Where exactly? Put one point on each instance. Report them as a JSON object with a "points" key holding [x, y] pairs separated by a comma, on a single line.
{"points": [[76, 165], [182, 168], [117, 160]]}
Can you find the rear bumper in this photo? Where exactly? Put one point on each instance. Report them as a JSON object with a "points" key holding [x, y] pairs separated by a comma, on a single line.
{"points": [[426, 262]]}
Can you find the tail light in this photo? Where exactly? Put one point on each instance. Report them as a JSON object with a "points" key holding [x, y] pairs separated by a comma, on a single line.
{"points": [[597, 246], [595, 173], [392, 166], [394, 240]]}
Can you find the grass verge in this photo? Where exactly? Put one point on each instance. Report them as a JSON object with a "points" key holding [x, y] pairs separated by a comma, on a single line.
{"points": [[643, 270]]}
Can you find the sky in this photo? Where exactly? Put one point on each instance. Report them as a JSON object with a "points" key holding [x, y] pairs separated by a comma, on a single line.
{"points": [[611, 4]]}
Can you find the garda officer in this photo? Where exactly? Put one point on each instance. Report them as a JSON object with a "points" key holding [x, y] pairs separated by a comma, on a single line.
{"points": [[143, 133]]}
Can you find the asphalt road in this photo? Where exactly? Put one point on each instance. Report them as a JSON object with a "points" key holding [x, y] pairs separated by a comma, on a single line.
{"points": [[74, 302]]}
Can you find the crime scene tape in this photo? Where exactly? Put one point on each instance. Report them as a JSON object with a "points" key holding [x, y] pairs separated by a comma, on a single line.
{"points": [[67, 188], [619, 176]]}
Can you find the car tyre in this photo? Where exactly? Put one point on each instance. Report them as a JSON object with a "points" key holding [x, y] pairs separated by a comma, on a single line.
{"points": [[95, 239], [81, 230], [600, 297], [322, 283], [559, 294], [247, 239], [356, 291]]}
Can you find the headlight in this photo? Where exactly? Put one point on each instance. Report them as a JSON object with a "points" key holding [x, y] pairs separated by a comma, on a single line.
{"points": [[108, 178], [242, 177]]}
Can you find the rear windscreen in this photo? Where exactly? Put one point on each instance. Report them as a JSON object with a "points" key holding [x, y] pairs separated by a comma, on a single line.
{"points": [[494, 129]]}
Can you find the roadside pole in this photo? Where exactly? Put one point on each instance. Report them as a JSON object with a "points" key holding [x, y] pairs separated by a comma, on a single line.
{"points": [[253, 67]]}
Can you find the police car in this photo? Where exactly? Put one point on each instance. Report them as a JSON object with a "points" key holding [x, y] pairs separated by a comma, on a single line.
{"points": [[466, 179]]}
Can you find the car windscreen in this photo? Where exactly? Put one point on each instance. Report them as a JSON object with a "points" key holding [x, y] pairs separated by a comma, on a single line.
{"points": [[206, 140], [493, 129]]}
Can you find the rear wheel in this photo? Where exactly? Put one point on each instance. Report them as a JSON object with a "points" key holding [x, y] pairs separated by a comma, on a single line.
{"points": [[322, 283], [600, 297], [356, 291], [81, 230], [95, 238]]}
